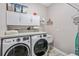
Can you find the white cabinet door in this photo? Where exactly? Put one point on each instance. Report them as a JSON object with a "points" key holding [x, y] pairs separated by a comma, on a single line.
{"points": [[26, 19], [13, 18], [36, 20]]}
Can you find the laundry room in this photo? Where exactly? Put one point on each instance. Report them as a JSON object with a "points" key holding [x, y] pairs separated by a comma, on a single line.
{"points": [[39, 29]]}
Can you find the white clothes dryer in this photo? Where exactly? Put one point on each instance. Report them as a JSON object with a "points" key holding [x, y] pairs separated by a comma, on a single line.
{"points": [[39, 45]]}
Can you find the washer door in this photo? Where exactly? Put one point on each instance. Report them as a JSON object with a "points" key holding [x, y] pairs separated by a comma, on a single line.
{"points": [[20, 49], [40, 47]]}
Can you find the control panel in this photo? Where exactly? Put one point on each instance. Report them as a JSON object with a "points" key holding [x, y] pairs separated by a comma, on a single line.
{"points": [[18, 39]]}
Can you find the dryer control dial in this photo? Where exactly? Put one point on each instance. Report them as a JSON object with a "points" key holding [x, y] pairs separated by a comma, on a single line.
{"points": [[44, 35]]}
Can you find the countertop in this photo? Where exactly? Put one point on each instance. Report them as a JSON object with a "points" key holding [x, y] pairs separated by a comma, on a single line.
{"points": [[21, 34]]}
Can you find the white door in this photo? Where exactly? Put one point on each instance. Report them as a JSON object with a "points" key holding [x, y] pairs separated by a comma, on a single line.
{"points": [[35, 20], [25, 19], [13, 18]]}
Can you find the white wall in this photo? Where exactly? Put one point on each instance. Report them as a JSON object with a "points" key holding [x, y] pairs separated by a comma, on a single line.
{"points": [[38, 8], [3, 27], [63, 27]]}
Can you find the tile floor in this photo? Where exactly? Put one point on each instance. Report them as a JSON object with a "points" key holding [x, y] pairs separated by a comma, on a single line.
{"points": [[56, 52]]}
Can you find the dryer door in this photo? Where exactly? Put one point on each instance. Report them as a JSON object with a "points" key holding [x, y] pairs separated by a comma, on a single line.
{"points": [[19, 49], [40, 47]]}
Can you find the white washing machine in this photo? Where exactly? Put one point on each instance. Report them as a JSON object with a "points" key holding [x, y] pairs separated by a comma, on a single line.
{"points": [[39, 45], [15, 46]]}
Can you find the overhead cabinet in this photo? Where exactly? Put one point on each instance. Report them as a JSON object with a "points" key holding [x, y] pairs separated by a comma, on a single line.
{"points": [[35, 20], [25, 19], [14, 18]]}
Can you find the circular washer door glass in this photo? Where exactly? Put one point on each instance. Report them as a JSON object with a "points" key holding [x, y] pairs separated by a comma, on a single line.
{"points": [[40, 47], [18, 50]]}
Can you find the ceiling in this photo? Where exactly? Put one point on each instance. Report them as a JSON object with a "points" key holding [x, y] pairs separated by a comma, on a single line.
{"points": [[49, 4], [46, 4]]}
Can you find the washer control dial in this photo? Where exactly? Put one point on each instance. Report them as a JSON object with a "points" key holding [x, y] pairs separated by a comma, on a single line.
{"points": [[18, 40]]}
